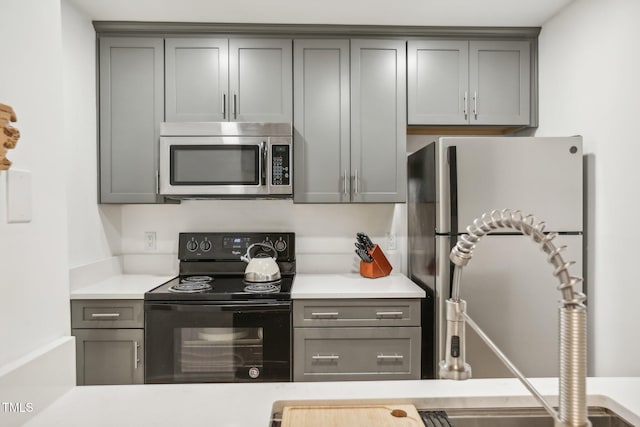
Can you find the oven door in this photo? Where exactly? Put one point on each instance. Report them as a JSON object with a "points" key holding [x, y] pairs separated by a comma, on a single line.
{"points": [[218, 342]]}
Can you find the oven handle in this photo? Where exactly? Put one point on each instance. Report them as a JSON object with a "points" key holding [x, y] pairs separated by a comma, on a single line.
{"points": [[216, 308]]}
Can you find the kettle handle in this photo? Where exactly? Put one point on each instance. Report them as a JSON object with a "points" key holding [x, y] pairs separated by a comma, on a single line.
{"points": [[247, 256]]}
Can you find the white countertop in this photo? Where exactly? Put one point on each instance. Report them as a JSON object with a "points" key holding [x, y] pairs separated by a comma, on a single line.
{"points": [[250, 405], [315, 286], [125, 286]]}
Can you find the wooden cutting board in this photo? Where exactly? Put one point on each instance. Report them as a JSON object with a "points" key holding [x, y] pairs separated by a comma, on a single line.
{"points": [[351, 416]]}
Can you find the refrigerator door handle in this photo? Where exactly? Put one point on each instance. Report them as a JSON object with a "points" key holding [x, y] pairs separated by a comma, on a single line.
{"points": [[453, 189]]}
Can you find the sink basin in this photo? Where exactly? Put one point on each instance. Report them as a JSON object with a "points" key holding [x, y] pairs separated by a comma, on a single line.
{"points": [[524, 417]]}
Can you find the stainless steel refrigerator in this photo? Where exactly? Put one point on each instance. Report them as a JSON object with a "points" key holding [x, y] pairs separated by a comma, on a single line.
{"points": [[508, 285]]}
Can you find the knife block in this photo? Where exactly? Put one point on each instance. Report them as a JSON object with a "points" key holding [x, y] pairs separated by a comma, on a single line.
{"points": [[379, 267]]}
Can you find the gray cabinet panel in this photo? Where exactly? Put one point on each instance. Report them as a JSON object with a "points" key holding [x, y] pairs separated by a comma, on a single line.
{"points": [[362, 312], [107, 314], [438, 75], [109, 356], [131, 109], [197, 79], [341, 354], [378, 120], [500, 82], [321, 121], [260, 80]]}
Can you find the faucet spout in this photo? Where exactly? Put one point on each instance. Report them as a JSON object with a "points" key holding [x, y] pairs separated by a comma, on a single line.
{"points": [[573, 313]]}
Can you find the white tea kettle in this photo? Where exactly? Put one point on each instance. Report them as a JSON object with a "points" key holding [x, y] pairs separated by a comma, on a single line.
{"points": [[262, 268]]}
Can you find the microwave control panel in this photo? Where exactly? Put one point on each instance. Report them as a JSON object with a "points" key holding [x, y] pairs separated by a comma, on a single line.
{"points": [[280, 165]]}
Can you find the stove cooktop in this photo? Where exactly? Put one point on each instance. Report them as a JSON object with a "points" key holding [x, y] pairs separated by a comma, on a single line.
{"points": [[223, 288]]}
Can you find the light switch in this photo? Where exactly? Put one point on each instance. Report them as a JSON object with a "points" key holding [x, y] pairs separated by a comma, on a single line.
{"points": [[18, 196]]}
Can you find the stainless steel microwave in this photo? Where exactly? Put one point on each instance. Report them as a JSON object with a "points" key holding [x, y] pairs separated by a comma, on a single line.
{"points": [[226, 159]]}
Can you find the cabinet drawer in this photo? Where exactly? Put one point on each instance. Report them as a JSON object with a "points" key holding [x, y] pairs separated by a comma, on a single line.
{"points": [[326, 354], [107, 314], [365, 312]]}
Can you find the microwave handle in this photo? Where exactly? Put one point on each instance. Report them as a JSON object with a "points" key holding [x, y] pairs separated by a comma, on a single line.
{"points": [[264, 155]]}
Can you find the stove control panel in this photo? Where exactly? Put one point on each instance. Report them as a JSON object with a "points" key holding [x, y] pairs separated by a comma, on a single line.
{"points": [[231, 246]]}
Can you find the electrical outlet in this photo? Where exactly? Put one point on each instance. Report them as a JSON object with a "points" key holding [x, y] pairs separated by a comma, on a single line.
{"points": [[391, 242], [149, 240]]}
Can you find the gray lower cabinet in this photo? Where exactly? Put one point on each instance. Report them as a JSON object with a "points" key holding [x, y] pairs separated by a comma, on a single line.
{"points": [[477, 82], [368, 339], [131, 85], [219, 79], [109, 341], [349, 121]]}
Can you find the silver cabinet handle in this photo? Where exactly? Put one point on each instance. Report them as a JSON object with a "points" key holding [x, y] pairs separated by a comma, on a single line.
{"points": [[109, 315], [390, 356], [356, 186], [327, 357], [465, 105], [136, 360], [235, 108], [346, 178], [475, 104], [389, 313], [326, 314], [224, 106]]}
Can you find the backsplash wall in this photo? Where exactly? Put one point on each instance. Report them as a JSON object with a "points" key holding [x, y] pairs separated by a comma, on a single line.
{"points": [[325, 233]]}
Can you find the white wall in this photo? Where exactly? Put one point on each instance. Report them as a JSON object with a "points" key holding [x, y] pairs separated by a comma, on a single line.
{"points": [[94, 230], [34, 308], [325, 233], [589, 68]]}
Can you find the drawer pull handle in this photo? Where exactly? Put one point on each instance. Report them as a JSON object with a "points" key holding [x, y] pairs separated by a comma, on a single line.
{"points": [[105, 314], [389, 313], [329, 314], [327, 357], [390, 356]]}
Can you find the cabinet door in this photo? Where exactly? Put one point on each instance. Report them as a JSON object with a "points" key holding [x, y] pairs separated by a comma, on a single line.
{"points": [[321, 121], [260, 80], [131, 109], [197, 79], [378, 120], [499, 81], [109, 356], [438, 79]]}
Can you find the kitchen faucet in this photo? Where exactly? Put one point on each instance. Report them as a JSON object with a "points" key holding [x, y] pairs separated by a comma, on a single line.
{"points": [[572, 410]]}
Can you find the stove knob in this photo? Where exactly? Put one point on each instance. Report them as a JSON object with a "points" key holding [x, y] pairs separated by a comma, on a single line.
{"points": [[192, 245], [205, 246], [280, 245]]}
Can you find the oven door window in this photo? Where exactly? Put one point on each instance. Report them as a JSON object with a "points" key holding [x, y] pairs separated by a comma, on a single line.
{"points": [[214, 165], [217, 343], [218, 351]]}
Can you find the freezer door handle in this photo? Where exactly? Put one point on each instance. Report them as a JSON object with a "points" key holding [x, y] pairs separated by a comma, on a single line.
{"points": [[453, 188]]}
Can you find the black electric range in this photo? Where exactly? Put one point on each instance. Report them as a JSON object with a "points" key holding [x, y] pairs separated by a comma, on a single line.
{"points": [[210, 325]]}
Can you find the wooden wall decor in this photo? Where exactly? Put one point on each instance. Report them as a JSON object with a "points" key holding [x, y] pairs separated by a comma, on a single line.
{"points": [[8, 134]]}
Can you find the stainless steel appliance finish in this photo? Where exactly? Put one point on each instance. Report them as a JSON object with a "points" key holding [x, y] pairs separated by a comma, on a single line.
{"points": [[451, 182], [226, 160], [226, 331]]}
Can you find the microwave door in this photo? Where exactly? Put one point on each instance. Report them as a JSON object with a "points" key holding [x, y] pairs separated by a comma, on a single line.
{"points": [[202, 166]]}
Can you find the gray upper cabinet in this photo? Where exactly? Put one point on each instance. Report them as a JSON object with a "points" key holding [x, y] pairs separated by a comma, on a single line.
{"points": [[321, 121], [499, 81], [131, 109], [260, 80], [458, 82], [247, 80], [378, 120], [197, 79], [350, 121]]}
